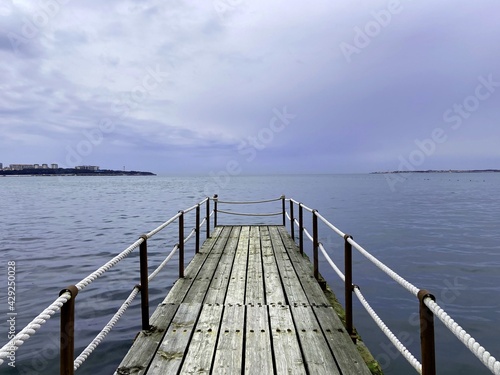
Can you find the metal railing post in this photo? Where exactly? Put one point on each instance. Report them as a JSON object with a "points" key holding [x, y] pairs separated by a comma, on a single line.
{"points": [[208, 217], [283, 209], [348, 286], [181, 244], [197, 246], [215, 210], [67, 336], [301, 229], [143, 259], [292, 221], [427, 345], [315, 245]]}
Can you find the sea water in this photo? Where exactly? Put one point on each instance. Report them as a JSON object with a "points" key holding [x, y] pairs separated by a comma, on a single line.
{"points": [[439, 231]]}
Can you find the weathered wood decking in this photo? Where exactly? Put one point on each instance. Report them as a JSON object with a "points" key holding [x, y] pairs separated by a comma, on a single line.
{"points": [[248, 304]]}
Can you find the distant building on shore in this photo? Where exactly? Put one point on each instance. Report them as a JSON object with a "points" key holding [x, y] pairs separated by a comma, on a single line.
{"points": [[88, 167], [1, 166], [20, 167]]}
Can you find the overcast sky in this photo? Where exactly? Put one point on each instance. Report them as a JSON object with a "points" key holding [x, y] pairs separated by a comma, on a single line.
{"points": [[251, 86]]}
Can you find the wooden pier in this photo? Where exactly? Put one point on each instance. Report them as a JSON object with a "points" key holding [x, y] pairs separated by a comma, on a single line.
{"points": [[248, 304]]}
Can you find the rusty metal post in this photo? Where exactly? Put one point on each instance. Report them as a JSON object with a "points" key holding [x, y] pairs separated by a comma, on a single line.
{"points": [[427, 345], [197, 246], [315, 245], [67, 336], [215, 210], [143, 259], [348, 286], [208, 217], [301, 229], [292, 226], [181, 244], [283, 210]]}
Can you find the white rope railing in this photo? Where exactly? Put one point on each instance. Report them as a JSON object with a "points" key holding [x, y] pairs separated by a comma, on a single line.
{"points": [[249, 202], [106, 267], [172, 253], [93, 345], [303, 206], [163, 264], [400, 280], [308, 234], [330, 225], [195, 206], [165, 224], [190, 235], [202, 222], [331, 262], [391, 336], [28, 331], [394, 340], [479, 351], [249, 214], [190, 209], [107, 328], [42, 318]]}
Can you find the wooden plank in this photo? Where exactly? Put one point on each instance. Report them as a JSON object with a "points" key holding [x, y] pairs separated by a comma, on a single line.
{"points": [[262, 268], [181, 286], [287, 354], [237, 281], [168, 359], [198, 359], [258, 349], [274, 293], [138, 358], [317, 355], [198, 288], [255, 283], [218, 287], [146, 343], [303, 267], [294, 294], [229, 353], [346, 354]]}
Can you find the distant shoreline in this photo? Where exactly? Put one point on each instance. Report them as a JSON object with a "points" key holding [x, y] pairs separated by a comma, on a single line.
{"points": [[71, 172], [444, 171]]}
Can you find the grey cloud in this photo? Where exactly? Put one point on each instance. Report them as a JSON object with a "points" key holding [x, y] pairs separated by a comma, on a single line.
{"points": [[223, 73]]}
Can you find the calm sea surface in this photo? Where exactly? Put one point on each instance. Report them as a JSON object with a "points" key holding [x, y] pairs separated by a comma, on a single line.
{"points": [[439, 231]]}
